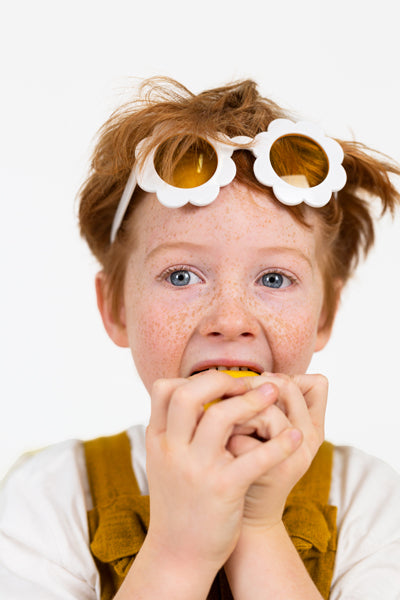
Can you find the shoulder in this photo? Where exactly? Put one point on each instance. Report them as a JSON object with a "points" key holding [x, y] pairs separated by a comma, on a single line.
{"points": [[361, 481], [366, 492], [39, 463], [50, 475], [54, 480], [44, 539], [46, 475], [43, 522]]}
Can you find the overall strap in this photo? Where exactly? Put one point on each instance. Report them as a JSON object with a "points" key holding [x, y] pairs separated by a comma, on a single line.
{"points": [[316, 482], [109, 468], [311, 521], [119, 519]]}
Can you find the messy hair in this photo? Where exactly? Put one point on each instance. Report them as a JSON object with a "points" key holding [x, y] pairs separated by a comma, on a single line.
{"points": [[164, 107]]}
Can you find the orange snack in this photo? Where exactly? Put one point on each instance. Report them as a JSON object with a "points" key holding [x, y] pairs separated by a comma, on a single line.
{"points": [[232, 374]]}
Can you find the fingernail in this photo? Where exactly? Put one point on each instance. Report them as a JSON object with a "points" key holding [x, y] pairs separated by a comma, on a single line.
{"points": [[296, 436], [267, 389]]}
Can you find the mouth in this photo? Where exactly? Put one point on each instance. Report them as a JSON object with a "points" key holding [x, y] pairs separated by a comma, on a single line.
{"points": [[221, 367]]}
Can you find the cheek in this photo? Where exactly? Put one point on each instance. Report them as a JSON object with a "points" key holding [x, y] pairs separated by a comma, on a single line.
{"points": [[292, 336], [158, 333]]}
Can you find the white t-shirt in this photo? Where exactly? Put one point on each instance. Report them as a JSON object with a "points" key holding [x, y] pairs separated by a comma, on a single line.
{"points": [[44, 547]]}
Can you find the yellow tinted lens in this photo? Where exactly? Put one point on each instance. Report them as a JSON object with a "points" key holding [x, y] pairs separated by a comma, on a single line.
{"points": [[299, 160], [186, 167]]}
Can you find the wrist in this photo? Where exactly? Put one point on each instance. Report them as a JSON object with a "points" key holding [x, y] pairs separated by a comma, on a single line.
{"points": [[265, 533], [263, 525], [158, 572], [265, 563]]}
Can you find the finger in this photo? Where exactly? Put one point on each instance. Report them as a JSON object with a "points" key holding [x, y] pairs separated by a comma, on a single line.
{"points": [[187, 402], [264, 456], [160, 397], [239, 444], [315, 391], [216, 425], [267, 424], [291, 401]]}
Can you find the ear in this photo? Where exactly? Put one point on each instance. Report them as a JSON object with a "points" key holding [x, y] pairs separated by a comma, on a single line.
{"points": [[323, 335], [325, 323], [116, 328]]}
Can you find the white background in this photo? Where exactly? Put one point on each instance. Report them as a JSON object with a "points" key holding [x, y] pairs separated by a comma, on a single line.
{"points": [[65, 66]]}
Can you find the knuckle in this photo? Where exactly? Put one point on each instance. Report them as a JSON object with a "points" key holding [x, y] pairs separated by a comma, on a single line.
{"points": [[283, 377], [159, 387], [179, 396], [322, 381], [165, 386], [217, 411], [286, 384]]}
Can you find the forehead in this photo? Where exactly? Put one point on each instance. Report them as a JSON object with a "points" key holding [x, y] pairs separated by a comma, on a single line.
{"points": [[239, 215]]}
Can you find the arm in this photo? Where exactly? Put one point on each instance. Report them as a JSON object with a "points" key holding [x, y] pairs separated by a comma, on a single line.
{"points": [[157, 573], [265, 564], [366, 492]]}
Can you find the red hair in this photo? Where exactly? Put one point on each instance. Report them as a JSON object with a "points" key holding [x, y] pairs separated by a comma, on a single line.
{"points": [[163, 107]]}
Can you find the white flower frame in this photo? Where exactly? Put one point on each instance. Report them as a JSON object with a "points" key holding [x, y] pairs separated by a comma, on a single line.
{"points": [[174, 197], [316, 196], [145, 175]]}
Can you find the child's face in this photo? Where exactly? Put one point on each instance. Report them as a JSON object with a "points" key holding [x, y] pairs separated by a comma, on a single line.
{"points": [[250, 288]]}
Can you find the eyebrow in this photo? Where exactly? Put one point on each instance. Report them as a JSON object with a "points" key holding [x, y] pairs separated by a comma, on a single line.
{"points": [[173, 246], [287, 250], [198, 247]]}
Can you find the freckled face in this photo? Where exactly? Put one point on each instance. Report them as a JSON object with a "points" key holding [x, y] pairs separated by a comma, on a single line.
{"points": [[235, 280]]}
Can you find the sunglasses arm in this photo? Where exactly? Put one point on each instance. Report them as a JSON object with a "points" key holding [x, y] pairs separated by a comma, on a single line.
{"points": [[123, 203]]}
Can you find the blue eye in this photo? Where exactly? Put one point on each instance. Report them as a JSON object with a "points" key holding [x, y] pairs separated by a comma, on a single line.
{"points": [[275, 280], [182, 277]]}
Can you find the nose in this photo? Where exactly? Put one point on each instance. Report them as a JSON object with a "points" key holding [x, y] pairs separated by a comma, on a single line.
{"points": [[230, 318]]}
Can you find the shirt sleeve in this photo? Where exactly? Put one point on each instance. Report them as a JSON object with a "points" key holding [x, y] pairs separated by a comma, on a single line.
{"points": [[44, 547], [367, 494]]}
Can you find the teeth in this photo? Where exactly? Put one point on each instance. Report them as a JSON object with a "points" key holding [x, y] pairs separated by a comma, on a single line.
{"points": [[223, 368], [232, 368]]}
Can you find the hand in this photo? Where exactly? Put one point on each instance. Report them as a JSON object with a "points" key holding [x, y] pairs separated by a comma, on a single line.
{"points": [[300, 403], [197, 485]]}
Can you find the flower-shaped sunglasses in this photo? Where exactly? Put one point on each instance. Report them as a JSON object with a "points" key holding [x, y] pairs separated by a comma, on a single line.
{"points": [[296, 160]]}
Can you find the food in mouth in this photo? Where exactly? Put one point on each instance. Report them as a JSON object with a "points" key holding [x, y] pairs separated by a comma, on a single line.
{"points": [[233, 373]]}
